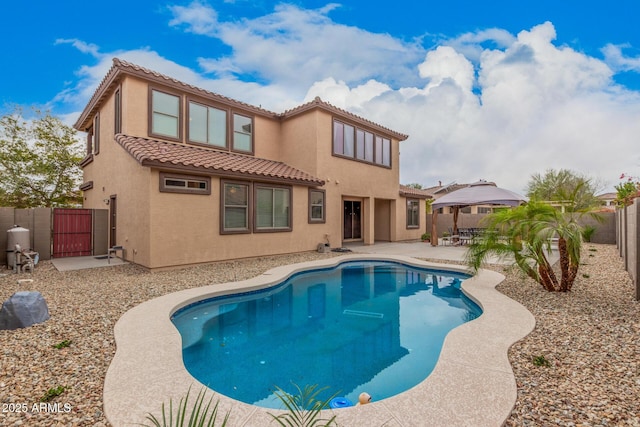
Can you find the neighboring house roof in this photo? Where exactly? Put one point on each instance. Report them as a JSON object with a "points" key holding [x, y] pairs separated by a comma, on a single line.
{"points": [[406, 191], [607, 196], [121, 68], [441, 190], [183, 157]]}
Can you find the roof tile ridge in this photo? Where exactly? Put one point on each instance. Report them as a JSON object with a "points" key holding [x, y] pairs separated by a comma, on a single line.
{"points": [[317, 101], [141, 69], [234, 155]]}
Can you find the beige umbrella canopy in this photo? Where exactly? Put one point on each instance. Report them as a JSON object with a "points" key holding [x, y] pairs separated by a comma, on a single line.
{"points": [[478, 193]]}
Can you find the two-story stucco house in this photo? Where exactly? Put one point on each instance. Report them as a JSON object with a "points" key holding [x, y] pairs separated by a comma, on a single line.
{"points": [[190, 176]]}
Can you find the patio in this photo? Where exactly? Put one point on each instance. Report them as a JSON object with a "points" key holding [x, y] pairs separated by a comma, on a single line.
{"points": [[423, 250]]}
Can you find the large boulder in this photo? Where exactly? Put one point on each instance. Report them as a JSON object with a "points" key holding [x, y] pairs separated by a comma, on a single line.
{"points": [[23, 309]]}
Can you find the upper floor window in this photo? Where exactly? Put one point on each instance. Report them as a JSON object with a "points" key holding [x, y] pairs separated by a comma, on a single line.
{"points": [[207, 125], [364, 145], [165, 114], [96, 134], [359, 144], [117, 120], [242, 133], [383, 151]]}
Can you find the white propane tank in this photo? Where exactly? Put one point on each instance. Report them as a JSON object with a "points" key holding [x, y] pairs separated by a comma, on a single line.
{"points": [[16, 235]]}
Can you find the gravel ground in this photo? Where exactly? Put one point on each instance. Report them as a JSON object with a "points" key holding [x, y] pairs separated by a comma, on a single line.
{"points": [[590, 338]]}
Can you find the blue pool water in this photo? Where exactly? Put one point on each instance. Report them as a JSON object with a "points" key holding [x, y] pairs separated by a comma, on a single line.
{"points": [[372, 326]]}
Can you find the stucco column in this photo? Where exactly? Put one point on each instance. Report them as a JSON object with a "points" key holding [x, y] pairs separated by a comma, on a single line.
{"points": [[368, 221]]}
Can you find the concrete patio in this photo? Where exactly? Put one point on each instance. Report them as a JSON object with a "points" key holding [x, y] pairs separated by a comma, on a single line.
{"points": [[424, 250]]}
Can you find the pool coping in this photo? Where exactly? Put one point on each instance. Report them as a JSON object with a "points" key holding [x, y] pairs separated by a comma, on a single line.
{"points": [[472, 383]]}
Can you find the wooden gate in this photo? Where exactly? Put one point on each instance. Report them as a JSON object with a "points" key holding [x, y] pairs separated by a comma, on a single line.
{"points": [[72, 232]]}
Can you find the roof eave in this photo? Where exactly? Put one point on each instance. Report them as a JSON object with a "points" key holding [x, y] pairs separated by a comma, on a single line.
{"points": [[229, 174]]}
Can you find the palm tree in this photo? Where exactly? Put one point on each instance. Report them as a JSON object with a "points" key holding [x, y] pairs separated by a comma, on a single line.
{"points": [[525, 233]]}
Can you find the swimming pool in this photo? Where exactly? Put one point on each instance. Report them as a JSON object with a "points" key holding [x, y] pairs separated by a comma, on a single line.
{"points": [[374, 326]]}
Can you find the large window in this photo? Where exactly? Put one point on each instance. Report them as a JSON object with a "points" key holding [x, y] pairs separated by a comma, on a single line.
{"points": [[273, 208], [242, 133], [316, 206], [235, 207], [413, 213], [256, 207], [165, 114], [359, 144], [207, 125]]}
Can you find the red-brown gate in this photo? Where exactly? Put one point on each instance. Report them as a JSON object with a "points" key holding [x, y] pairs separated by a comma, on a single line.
{"points": [[72, 232]]}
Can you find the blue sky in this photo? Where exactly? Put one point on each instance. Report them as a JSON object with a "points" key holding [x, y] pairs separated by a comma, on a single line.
{"points": [[495, 90]]}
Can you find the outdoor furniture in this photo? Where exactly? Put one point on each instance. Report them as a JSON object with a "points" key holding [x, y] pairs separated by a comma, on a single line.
{"points": [[114, 250], [466, 236], [453, 238]]}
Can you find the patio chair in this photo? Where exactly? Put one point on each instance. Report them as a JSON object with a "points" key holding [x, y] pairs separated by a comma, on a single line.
{"points": [[453, 238], [465, 236]]}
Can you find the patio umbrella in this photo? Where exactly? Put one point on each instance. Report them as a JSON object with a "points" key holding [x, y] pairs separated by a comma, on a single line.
{"points": [[478, 193]]}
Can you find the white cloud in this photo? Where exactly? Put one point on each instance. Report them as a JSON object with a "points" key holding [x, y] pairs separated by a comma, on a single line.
{"points": [[83, 47], [617, 60], [487, 105], [198, 18], [296, 47]]}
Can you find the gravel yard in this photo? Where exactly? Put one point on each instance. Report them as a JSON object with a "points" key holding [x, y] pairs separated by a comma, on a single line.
{"points": [[590, 339]]}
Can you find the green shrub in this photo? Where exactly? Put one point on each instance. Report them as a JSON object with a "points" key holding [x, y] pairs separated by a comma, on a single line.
{"points": [[305, 408], [62, 344], [587, 232], [541, 361], [200, 415], [52, 392]]}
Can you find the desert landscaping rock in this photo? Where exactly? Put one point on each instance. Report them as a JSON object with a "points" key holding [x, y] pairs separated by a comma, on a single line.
{"points": [[590, 337], [23, 309]]}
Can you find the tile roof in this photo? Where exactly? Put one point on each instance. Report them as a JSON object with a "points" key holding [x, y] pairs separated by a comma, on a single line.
{"points": [[120, 68], [168, 155], [414, 192], [319, 103]]}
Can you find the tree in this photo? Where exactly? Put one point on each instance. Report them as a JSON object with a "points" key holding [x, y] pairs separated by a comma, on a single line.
{"points": [[574, 191], [38, 161], [415, 185], [627, 191], [525, 233]]}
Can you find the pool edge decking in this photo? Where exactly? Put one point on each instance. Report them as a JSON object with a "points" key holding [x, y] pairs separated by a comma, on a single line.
{"points": [[472, 383]]}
